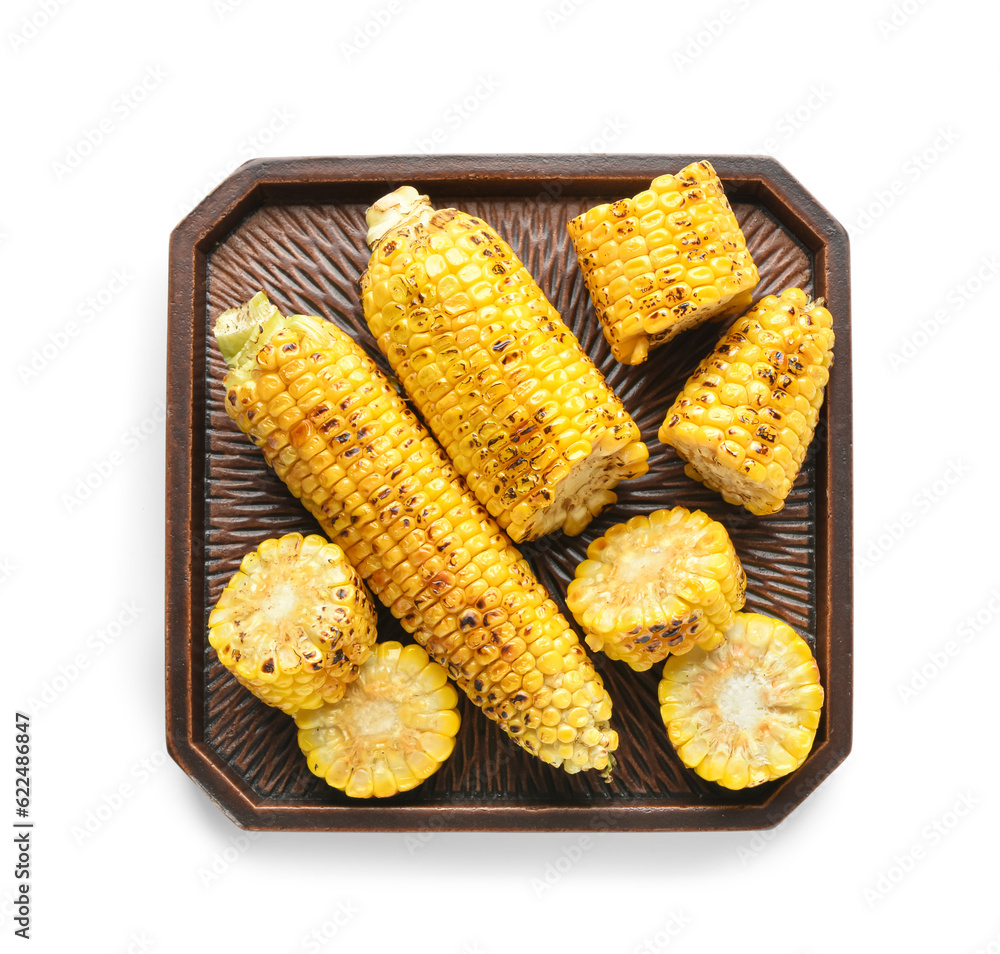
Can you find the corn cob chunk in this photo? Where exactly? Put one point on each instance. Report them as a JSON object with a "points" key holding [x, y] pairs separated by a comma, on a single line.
{"points": [[344, 442], [658, 585], [294, 623], [746, 713], [745, 418], [665, 260], [394, 727], [504, 385]]}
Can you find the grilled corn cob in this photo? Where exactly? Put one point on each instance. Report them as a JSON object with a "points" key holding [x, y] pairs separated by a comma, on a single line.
{"points": [[658, 585], [394, 727], [344, 442], [523, 413], [295, 623], [747, 712], [667, 259], [744, 419]]}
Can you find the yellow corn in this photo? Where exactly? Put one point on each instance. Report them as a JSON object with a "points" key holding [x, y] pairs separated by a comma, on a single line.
{"points": [[521, 410], [745, 418], [665, 260], [658, 585], [394, 727], [747, 712], [344, 442], [295, 623]]}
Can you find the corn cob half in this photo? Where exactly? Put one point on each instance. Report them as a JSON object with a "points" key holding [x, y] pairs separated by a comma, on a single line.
{"points": [[745, 418], [522, 411], [658, 585], [664, 260], [747, 712], [394, 727], [295, 623], [344, 442]]}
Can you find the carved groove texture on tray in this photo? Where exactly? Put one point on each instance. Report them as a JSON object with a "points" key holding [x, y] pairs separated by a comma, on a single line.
{"points": [[309, 260]]}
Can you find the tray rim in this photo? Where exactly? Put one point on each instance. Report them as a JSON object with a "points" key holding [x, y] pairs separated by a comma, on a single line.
{"points": [[284, 181]]}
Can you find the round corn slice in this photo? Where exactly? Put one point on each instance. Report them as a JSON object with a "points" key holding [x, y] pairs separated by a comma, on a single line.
{"points": [[294, 623], [746, 713], [656, 586], [394, 727]]}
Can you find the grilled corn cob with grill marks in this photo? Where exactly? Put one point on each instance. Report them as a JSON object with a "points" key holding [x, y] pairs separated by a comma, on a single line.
{"points": [[393, 728], [667, 259], [658, 585], [745, 418], [521, 410], [294, 623], [344, 442], [747, 712]]}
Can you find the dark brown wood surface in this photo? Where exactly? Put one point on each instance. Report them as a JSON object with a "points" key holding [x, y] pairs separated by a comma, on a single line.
{"points": [[296, 229]]}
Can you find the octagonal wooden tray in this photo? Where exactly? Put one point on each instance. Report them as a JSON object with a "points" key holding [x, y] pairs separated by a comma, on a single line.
{"points": [[295, 227]]}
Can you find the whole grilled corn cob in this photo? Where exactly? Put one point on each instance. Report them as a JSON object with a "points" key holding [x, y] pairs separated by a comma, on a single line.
{"points": [[344, 442], [747, 712], [658, 585], [394, 727], [744, 419], [523, 413], [667, 259], [294, 623]]}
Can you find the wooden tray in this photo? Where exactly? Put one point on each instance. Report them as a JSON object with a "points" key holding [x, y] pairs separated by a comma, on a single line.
{"points": [[295, 227]]}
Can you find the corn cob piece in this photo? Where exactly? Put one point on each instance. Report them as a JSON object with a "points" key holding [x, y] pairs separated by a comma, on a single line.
{"points": [[746, 713], [664, 260], [344, 442], [745, 418], [504, 385], [294, 623], [393, 729], [658, 585]]}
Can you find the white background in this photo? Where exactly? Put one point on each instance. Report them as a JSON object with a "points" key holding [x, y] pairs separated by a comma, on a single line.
{"points": [[886, 112]]}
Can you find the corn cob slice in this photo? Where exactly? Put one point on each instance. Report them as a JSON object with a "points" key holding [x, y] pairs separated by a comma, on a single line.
{"points": [[746, 713], [658, 585], [294, 623], [745, 418], [665, 260], [394, 727], [504, 385], [344, 442]]}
